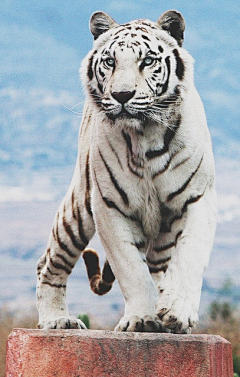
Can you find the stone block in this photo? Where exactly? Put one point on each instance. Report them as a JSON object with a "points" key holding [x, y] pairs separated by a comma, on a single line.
{"points": [[91, 353]]}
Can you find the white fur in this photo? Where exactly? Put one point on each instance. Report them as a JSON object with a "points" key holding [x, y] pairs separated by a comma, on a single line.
{"points": [[173, 295]]}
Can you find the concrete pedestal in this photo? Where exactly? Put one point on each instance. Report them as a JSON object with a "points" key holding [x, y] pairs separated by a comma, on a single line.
{"points": [[90, 353]]}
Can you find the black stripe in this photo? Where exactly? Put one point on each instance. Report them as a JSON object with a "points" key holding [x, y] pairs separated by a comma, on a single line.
{"points": [[54, 234], [52, 273], [87, 192], [140, 245], [80, 228], [146, 44], [73, 205], [109, 48], [131, 169], [151, 52], [180, 163], [159, 261], [158, 70], [42, 262], [152, 89], [165, 167], [100, 87], [165, 86], [102, 74], [54, 284], [64, 247], [133, 49], [168, 136], [119, 31], [109, 203], [71, 265], [165, 247], [114, 181], [60, 266], [184, 186], [170, 245], [114, 152], [145, 37], [191, 201], [154, 270], [90, 71], [72, 236], [180, 68], [128, 140], [167, 228], [96, 97]]}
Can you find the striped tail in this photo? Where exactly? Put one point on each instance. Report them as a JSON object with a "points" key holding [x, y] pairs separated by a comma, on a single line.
{"points": [[100, 283]]}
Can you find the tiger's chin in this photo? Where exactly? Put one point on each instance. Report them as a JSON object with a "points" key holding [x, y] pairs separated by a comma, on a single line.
{"points": [[126, 120], [129, 123]]}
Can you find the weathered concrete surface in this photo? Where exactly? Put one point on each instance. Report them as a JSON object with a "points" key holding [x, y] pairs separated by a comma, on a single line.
{"points": [[86, 353]]}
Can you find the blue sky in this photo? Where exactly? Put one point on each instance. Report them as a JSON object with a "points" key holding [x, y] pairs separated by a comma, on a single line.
{"points": [[43, 43], [41, 98]]}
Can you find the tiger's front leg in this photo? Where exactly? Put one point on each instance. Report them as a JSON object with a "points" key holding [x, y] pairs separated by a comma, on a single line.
{"points": [[180, 281], [120, 235], [73, 228]]}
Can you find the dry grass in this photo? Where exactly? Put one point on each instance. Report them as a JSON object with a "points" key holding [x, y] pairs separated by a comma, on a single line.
{"points": [[8, 321], [228, 329]]}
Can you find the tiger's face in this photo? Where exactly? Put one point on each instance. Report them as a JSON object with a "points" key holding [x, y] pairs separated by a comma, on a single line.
{"points": [[136, 69]]}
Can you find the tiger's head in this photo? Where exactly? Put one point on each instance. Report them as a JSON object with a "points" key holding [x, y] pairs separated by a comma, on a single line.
{"points": [[138, 70]]}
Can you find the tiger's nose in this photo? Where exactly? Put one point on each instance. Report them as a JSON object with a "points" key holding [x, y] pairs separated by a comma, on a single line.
{"points": [[123, 97]]}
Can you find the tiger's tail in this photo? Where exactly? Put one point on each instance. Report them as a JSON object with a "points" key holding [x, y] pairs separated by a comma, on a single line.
{"points": [[100, 283]]}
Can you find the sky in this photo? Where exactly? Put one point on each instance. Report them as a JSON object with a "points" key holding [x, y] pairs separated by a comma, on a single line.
{"points": [[41, 100], [41, 97]]}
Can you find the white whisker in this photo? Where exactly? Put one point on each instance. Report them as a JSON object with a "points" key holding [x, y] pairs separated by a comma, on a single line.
{"points": [[74, 112]]}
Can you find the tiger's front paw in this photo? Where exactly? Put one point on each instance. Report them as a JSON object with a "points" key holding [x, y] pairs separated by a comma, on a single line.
{"points": [[138, 324], [62, 323], [179, 319]]}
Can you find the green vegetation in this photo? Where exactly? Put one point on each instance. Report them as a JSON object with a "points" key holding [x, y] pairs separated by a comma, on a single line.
{"points": [[85, 319]]}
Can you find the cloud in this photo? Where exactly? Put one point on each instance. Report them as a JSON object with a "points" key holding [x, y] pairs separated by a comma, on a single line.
{"points": [[25, 194], [224, 99], [122, 6]]}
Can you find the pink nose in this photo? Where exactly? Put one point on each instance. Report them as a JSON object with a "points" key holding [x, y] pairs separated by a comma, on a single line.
{"points": [[123, 97]]}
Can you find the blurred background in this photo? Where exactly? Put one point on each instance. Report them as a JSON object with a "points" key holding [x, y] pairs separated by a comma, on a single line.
{"points": [[41, 46]]}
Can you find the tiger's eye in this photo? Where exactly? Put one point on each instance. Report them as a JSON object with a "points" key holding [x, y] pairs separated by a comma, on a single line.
{"points": [[110, 62], [148, 60]]}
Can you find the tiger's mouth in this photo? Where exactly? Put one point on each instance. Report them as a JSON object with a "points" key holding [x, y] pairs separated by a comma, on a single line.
{"points": [[125, 114]]}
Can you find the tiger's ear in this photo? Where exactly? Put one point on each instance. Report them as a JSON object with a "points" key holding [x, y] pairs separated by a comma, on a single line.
{"points": [[101, 22], [173, 22]]}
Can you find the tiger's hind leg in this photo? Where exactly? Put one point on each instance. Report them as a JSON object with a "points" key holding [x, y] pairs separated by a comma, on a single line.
{"points": [[72, 230]]}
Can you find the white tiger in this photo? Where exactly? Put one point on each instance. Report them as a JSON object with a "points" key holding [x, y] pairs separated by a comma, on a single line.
{"points": [[144, 178]]}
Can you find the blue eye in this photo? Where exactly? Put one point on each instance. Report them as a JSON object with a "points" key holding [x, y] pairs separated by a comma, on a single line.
{"points": [[110, 62], [148, 60]]}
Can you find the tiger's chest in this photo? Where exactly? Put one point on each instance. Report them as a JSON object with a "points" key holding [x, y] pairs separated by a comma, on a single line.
{"points": [[132, 172]]}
